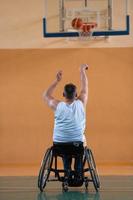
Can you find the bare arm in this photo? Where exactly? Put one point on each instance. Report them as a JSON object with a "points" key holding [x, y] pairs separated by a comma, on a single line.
{"points": [[48, 94], [83, 96]]}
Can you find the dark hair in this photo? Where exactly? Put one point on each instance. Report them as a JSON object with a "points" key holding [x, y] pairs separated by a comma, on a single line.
{"points": [[70, 91]]}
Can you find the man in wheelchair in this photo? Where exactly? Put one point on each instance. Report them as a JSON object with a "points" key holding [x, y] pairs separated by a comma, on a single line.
{"points": [[69, 124]]}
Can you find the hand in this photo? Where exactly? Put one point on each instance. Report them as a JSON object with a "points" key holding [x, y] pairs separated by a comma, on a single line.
{"points": [[59, 75], [84, 66]]}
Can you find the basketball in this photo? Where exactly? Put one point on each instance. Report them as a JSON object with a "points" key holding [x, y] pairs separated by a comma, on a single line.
{"points": [[77, 23]]}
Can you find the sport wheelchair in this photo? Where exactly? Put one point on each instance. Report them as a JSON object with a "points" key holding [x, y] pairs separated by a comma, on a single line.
{"points": [[50, 164]]}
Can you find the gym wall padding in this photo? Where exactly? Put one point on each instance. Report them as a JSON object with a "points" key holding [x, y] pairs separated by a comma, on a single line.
{"points": [[26, 122]]}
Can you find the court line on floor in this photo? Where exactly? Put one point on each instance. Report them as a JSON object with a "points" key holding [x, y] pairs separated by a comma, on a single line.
{"points": [[31, 189]]}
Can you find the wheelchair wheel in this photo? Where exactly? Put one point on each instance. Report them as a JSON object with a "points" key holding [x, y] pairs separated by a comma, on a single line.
{"points": [[45, 169], [92, 169]]}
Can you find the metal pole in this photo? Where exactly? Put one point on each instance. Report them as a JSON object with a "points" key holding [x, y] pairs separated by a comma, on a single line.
{"points": [[126, 7], [61, 15], [45, 8], [86, 3], [110, 14]]}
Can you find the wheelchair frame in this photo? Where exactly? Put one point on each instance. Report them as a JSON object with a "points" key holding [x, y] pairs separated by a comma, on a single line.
{"points": [[47, 166]]}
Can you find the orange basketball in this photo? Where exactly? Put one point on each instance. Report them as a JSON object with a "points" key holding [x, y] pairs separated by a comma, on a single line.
{"points": [[77, 23]]}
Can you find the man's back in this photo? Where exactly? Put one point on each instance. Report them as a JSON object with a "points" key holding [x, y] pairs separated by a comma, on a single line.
{"points": [[70, 120], [69, 123]]}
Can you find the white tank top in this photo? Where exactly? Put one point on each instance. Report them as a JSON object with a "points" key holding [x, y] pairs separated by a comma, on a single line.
{"points": [[69, 122]]}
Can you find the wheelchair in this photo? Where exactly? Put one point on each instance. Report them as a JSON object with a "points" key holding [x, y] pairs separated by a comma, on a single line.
{"points": [[50, 164]]}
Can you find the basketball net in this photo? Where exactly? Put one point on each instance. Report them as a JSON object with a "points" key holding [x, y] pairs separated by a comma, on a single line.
{"points": [[85, 35], [86, 31]]}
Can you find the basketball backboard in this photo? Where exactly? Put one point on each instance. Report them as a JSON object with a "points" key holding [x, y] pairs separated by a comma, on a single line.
{"points": [[111, 17]]}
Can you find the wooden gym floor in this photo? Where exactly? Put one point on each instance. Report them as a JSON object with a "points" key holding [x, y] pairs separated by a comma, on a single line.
{"points": [[25, 188]]}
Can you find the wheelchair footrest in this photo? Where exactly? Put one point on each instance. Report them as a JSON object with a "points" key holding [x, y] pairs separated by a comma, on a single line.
{"points": [[75, 182]]}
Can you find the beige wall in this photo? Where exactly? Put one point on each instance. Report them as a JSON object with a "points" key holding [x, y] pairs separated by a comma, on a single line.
{"points": [[26, 122]]}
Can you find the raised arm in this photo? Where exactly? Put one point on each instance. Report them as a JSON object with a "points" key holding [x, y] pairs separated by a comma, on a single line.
{"points": [[48, 94], [83, 96]]}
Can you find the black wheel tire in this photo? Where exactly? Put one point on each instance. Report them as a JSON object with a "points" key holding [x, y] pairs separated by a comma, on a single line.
{"points": [[94, 179], [92, 169], [41, 168], [45, 169], [93, 166]]}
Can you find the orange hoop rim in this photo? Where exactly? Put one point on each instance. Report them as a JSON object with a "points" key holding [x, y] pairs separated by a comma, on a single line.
{"points": [[85, 26], [88, 26]]}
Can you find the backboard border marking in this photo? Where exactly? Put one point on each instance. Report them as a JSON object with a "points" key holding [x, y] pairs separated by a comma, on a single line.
{"points": [[95, 33]]}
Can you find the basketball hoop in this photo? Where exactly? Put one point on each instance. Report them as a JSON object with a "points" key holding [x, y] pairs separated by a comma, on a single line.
{"points": [[86, 30]]}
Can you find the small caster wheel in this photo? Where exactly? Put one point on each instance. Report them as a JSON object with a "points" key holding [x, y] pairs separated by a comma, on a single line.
{"points": [[65, 187], [86, 184]]}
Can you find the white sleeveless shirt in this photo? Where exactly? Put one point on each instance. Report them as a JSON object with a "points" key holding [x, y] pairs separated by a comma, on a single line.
{"points": [[70, 119]]}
